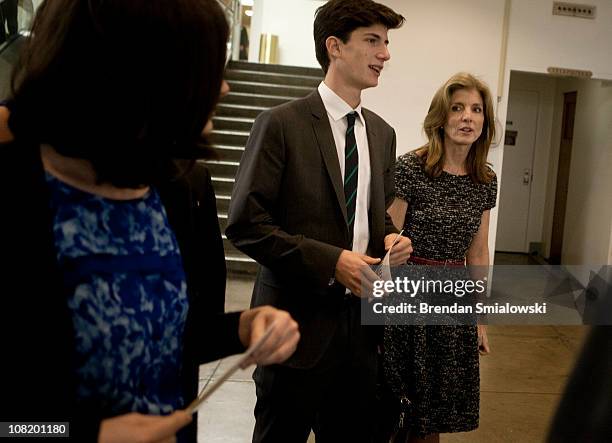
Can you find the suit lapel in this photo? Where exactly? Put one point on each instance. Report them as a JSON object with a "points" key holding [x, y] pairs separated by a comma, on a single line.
{"points": [[377, 205], [327, 145], [376, 167]]}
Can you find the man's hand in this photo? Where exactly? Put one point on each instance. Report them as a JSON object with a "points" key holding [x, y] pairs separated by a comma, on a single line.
{"points": [[401, 250], [352, 268], [139, 428], [282, 342]]}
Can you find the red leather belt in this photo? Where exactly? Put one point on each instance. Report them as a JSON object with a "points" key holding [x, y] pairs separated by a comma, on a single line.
{"points": [[426, 261]]}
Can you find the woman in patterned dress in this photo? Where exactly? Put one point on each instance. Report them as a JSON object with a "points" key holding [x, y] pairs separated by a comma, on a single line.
{"points": [[107, 292], [444, 193]]}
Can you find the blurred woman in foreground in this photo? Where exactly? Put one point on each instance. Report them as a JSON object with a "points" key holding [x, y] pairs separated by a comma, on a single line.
{"points": [[106, 294]]}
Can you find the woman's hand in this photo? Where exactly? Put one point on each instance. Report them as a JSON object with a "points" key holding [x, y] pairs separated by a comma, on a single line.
{"points": [[401, 251], [281, 343], [483, 340], [140, 428]]}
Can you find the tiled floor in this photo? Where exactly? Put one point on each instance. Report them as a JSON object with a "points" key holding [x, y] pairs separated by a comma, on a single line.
{"points": [[521, 383]]}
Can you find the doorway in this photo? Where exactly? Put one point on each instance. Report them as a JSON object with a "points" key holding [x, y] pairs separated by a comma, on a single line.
{"points": [[541, 185], [563, 173], [519, 148]]}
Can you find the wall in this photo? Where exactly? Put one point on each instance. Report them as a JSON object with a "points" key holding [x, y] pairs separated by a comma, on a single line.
{"points": [[439, 38], [588, 218], [434, 44], [292, 21], [25, 13], [538, 40], [610, 249], [545, 86], [587, 233]]}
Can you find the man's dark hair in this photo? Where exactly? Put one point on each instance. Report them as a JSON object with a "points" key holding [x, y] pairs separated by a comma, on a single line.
{"points": [[339, 18], [127, 85]]}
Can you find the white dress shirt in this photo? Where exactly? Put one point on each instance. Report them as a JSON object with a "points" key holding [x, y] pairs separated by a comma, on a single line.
{"points": [[336, 112]]}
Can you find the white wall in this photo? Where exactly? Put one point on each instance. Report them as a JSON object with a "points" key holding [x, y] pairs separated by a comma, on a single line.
{"points": [[291, 21], [589, 206], [538, 40], [610, 249], [442, 37], [439, 38], [588, 217], [256, 28], [545, 86]]}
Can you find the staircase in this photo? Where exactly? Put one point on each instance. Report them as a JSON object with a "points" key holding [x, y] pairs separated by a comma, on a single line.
{"points": [[253, 88]]}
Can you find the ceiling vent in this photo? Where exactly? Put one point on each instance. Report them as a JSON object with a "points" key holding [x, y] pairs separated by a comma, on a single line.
{"points": [[566, 72], [574, 10]]}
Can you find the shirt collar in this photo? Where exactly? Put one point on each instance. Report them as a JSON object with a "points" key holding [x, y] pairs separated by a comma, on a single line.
{"points": [[334, 105]]}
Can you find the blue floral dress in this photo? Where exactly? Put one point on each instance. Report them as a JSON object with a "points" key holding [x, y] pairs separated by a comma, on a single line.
{"points": [[128, 297]]}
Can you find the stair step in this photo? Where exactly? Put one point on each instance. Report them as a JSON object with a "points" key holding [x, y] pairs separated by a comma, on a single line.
{"points": [[271, 77], [241, 265], [229, 137], [281, 69], [236, 110], [222, 219], [270, 89], [222, 168], [223, 201], [233, 123], [254, 87], [229, 153], [222, 185], [244, 98]]}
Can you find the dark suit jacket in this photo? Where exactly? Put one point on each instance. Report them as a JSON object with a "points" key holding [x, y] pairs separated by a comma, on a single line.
{"points": [[36, 335], [288, 212]]}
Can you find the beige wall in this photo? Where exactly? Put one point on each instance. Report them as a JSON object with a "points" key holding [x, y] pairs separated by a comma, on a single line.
{"points": [[441, 37], [588, 218], [545, 87], [589, 205], [610, 249], [538, 40], [291, 21]]}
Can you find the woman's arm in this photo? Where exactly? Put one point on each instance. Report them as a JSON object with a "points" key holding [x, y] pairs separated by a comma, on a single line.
{"points": [[140, 428], [477, 258], [478, 253], [397, 211]]}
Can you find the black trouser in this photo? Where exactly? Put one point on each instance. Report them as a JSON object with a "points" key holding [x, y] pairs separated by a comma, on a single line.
{"points": [[336, 398], [8, 9]]}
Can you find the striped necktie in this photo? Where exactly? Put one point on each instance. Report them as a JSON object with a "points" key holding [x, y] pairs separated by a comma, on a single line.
{"points": [[351, 163]]}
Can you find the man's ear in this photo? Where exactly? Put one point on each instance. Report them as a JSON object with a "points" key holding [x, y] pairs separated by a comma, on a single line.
{"points": [[333, 47]]}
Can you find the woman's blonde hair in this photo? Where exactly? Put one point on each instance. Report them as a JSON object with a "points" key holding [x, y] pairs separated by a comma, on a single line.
{"points": [[433, 152]]}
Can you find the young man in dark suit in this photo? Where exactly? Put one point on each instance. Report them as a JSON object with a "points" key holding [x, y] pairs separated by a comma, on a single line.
{"points": [[309, 205]]}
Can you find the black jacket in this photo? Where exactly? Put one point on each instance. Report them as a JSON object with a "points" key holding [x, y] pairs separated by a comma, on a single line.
{"points": [[288, 212], [36, 382]]}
